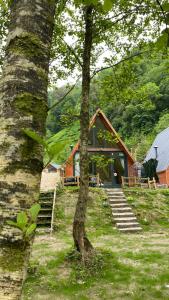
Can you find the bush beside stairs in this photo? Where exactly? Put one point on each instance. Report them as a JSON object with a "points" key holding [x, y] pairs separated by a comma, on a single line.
{"points": [[121, 211]]}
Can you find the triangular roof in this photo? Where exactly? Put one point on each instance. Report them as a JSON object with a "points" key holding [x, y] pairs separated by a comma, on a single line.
{"points": [[100, 113], [162, 143]]}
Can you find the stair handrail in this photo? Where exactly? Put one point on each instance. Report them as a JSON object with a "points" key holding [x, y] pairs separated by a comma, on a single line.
{"points": [[53, 209]]}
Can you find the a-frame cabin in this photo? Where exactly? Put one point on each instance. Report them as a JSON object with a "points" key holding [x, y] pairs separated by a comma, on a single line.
{"points": [[108, 154]]}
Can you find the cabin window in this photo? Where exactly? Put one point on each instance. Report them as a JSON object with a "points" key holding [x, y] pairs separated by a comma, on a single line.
{"points": [[77, 164], [100, 136]]}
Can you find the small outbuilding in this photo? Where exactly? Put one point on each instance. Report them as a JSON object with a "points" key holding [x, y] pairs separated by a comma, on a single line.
{"points": [[51, 175], [160, 151]]}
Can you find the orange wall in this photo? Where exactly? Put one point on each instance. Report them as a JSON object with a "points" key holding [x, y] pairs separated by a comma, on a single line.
{"points": [[69, 167], [167, 176], [164, 177], [131, 170]]}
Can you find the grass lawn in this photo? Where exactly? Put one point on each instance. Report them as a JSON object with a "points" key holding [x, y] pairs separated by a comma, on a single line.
{"points": [[127, 266]]}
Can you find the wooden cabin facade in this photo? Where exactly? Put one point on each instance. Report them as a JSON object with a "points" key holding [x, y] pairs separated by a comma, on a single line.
{"points": [[108, 155]]}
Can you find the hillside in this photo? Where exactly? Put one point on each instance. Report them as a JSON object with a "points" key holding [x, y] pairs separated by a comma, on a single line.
{"points": [[127, 266], [136, 101]]}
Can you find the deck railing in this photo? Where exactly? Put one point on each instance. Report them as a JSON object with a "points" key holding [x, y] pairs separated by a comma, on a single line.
{"points": [[94, 180], [139, 182]]}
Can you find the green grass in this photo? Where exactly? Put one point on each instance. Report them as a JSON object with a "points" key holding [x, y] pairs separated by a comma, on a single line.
{"points": [[150, 206], [126, 266]]}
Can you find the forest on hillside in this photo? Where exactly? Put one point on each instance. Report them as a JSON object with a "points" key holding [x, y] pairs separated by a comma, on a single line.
{"points": [[134, 95]]}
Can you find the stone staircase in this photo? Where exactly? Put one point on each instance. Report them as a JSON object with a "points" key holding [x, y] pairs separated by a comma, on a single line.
{"points": [[122, 213], [45, 216]]}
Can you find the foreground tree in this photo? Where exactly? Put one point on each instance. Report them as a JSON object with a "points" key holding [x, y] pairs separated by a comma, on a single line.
{"points": [[23, 104], [81, 241]]}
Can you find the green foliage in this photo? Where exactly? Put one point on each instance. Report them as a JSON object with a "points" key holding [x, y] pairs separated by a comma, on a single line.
{"points": [[67, 137], [162, 124], [165, 6], [134, 96], [26, 222], [107, 5], [162, 41], [36, 137], [150, 168], [53, 151]]}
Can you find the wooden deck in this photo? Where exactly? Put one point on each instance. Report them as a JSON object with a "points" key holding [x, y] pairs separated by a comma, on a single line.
{"points": [[94, 180], [139, 182]]}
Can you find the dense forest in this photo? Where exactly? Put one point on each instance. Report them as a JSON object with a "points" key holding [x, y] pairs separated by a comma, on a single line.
{"points": [[134, 95]]}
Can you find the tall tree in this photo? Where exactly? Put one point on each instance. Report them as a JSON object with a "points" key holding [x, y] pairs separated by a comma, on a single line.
{"points": [[23, 104], [81, 241]]}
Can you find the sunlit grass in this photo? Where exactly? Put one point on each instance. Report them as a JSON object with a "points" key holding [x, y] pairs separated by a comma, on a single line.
{"points": [[126, 266]]}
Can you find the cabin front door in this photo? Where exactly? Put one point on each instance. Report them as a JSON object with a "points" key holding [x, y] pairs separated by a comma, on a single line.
{"points": [[119, 168], [110, 166]]}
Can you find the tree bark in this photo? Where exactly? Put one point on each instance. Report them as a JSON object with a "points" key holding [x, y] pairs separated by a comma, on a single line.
{"points": [[23, 104], [81, 241]]}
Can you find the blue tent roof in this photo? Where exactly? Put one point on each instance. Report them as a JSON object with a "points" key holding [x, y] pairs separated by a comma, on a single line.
{"points": [[162, 142]]}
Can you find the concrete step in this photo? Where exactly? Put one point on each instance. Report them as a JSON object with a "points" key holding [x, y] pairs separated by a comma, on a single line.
{"points": [[116, 195], [112, 200], [46, 209], [43, 222], [125, 219], [127, 225], [114, 190], [123, 214], [43, 229], [46, 203], [122, 209], [116, 205], [46, 194], [130, 230], [117, 198], [45, 200], [44, 216]]}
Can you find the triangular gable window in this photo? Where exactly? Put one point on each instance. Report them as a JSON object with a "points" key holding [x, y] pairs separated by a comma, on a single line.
{"points": [[101, 137]]}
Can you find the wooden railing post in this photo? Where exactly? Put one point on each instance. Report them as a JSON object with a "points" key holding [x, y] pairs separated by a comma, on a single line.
{"points": [[149, 185], [135, 181], [78, 181], [122, 181], [154, 182], [97, 179], [62, 181]]}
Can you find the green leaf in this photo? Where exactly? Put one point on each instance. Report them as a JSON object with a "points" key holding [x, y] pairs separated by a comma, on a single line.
{"points": [[34, 136], [54, 149], [166, 7], [30, 230], [107, 5], [167, 20], [34, 210], [12, 223], [162, 41], [3, 4], [22, 220]]}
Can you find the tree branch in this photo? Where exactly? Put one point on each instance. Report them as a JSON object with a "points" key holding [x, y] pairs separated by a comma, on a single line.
{"points": [[116, 64], [73, 52], [164, 15], [62, 98]]}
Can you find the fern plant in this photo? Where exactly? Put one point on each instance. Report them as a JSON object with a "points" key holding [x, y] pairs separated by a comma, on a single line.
{"points": [[26, 222], [52, 151]]}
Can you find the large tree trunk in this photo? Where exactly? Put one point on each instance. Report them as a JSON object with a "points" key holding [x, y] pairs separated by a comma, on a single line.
{"points": [[23, 104], [82, 243]]}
